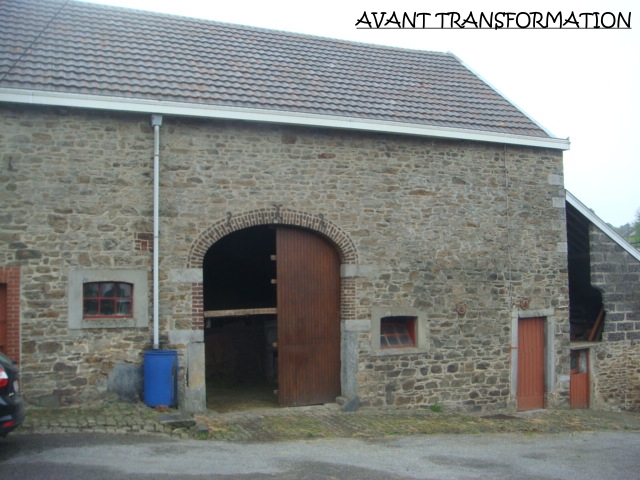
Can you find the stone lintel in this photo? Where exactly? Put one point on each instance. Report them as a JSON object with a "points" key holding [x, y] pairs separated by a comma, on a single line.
{"points": [[354, 271], [185, 275], [357, 325], [185, 337]]}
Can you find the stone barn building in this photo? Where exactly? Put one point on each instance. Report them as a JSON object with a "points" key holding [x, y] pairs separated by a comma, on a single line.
{"points": [[314, 217]]}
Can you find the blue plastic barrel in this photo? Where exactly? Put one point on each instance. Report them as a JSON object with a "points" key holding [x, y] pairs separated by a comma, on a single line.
{"points": [[160, 377]]}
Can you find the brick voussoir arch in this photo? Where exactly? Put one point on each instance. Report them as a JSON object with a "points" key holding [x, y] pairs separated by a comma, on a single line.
{"points": [[272, 216]]}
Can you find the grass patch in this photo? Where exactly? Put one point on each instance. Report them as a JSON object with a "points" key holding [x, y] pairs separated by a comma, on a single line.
{"points": [[295, 427]]}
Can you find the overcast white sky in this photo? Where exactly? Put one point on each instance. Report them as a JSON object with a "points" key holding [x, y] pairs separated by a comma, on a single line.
{"points": [[581, 84]]}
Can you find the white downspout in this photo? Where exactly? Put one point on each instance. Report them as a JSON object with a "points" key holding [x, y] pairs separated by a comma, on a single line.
{"points": [[156, 121]]}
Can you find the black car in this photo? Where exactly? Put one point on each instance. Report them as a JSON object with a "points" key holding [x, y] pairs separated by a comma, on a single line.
{"points": [[12, 409]]}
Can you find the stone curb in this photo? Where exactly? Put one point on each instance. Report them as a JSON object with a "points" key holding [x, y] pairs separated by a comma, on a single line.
{"points": [[311, 422]]}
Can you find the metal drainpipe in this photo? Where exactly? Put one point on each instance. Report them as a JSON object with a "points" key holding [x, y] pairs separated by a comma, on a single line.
{"points": [[156, 121]]}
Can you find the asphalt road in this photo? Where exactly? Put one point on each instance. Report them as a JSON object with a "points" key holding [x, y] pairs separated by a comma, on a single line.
{"points": [[584, 456]]}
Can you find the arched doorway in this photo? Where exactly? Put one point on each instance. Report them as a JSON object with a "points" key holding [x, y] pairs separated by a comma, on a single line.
{"points": [[272, 317]]}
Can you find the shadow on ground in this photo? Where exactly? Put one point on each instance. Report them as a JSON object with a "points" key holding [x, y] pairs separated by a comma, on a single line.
{"points": [[225, 397]]}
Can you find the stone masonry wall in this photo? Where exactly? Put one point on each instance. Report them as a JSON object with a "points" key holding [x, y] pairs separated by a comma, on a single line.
{"points": [[435, 223], [616, 361], [75, 189]]}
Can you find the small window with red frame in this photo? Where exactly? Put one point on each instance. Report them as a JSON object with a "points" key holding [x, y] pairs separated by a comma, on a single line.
{"points": [[397, 332], [107, 299]]}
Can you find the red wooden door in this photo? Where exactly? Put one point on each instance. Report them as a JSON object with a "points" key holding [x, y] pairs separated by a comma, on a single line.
{"points": [[579, 380], [4, 348], [530, 363], [308, 280]]}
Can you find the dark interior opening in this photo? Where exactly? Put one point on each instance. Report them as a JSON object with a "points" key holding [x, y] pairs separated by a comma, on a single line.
{"points": [[238, 270], [398, 332], [240, 339], [586, 310]]}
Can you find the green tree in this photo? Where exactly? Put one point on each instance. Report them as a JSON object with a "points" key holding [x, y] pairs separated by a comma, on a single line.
{"points": [[634, 238]]}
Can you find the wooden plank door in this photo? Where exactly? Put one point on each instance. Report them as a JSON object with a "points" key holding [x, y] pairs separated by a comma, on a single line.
{"points": [[530, 363], [579, 380], [308, 281], [4, 348]]}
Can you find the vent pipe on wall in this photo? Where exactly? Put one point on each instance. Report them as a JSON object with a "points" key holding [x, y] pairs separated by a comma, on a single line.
{"points": [[156, 121]]}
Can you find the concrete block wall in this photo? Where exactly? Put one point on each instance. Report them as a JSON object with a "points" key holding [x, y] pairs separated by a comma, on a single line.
{"points": [[616, 361]]}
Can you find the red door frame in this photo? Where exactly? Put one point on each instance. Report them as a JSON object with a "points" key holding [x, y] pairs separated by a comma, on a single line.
{"points": [[579, 380], [10, 278], [531, 349], [3, 318]]}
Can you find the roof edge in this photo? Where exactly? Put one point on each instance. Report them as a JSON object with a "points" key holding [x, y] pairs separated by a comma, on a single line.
{"points": [[598, 222], [37, 97], [499, 92]]}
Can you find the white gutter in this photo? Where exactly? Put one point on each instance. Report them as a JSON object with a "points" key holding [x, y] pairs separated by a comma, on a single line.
{"points": [[156, 121], [36, 97], [593, 218]]}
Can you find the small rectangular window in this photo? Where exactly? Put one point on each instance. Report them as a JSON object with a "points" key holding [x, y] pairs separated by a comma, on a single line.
{"points": [[107, 299], [579, 361], [398, 332]]}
